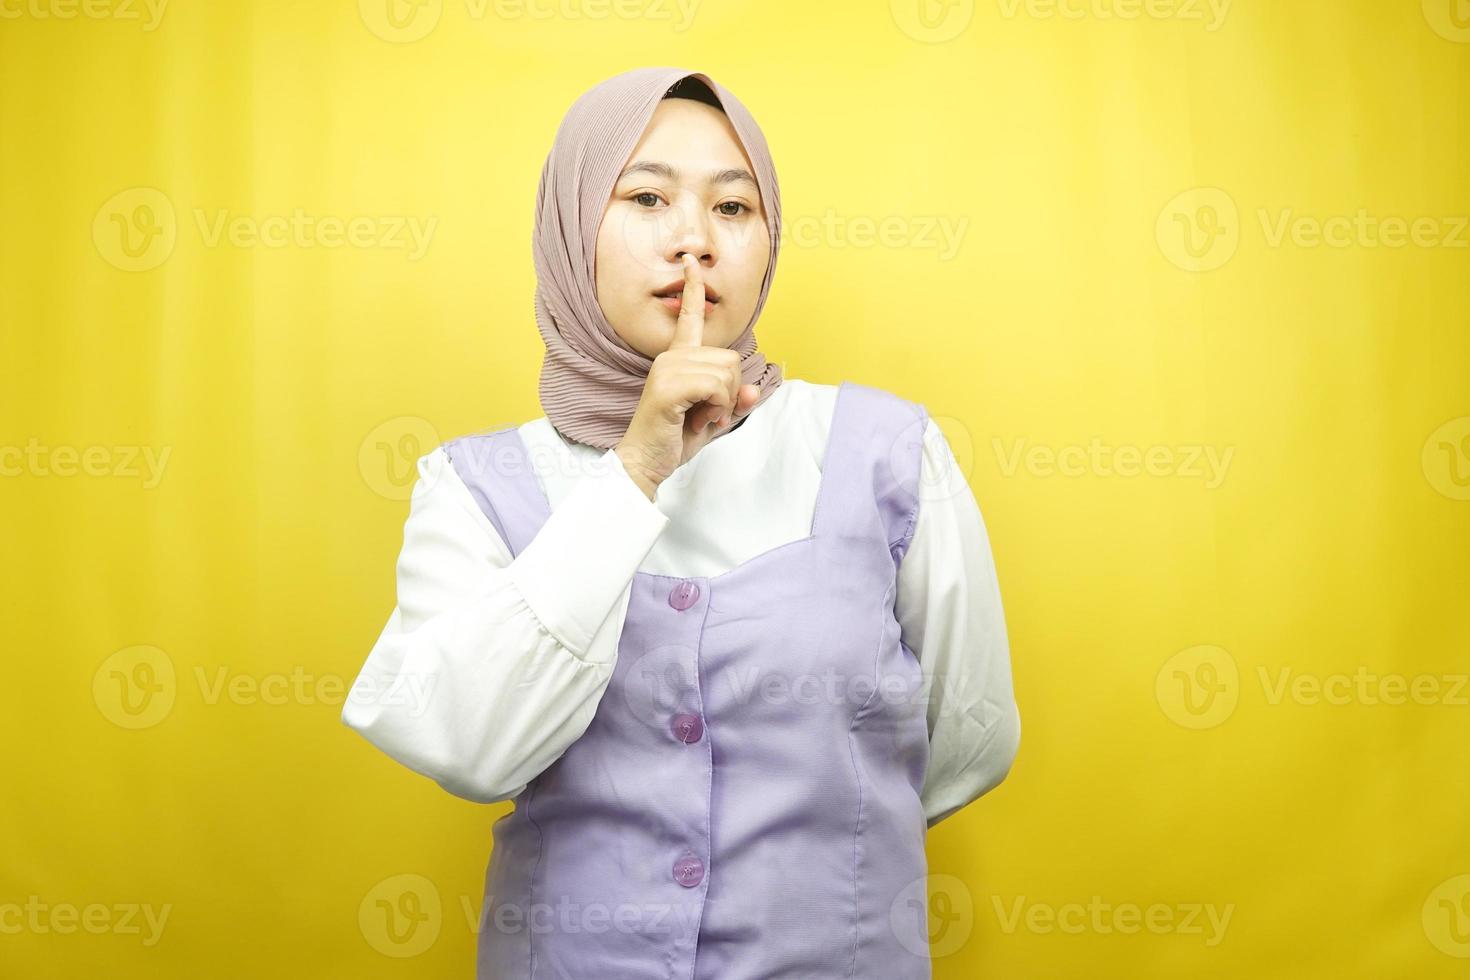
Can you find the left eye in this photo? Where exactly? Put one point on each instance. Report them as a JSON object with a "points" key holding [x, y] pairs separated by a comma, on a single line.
{"points": [[649, 199]]}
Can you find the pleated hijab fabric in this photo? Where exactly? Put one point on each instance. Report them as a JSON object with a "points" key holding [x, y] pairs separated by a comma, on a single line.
{"points": [[591, 379]]}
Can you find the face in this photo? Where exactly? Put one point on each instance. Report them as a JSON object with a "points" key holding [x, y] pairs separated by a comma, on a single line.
{"points": [[686, 187]]}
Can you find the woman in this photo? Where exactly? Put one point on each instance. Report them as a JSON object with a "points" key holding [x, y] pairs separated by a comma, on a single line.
{"points": [[731, 642]]}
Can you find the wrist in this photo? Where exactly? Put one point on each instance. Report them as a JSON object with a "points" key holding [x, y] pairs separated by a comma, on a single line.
{"points": [[636, 471]]}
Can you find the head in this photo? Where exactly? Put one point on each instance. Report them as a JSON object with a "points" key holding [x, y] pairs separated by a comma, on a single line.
{"points": [[647, 166], [687, 186]]}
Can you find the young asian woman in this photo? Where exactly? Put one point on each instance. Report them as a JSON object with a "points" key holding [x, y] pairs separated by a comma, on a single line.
{"points": [[730, 641]]}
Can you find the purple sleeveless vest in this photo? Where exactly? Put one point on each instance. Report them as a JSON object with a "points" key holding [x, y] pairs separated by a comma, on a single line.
{"points": [[745, 801]]}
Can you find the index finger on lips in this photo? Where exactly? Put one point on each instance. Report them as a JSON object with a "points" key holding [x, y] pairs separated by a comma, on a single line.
{"points": [[689, 330]]}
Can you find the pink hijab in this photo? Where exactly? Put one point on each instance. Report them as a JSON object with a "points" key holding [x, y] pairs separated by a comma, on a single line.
{"points": [[591, 379]]}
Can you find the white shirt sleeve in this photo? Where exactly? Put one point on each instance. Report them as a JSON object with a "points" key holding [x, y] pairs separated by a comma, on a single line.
{"points": [[490, 668], [948, 605]]}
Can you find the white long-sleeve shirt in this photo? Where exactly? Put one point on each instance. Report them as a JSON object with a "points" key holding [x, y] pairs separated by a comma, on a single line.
{"points": [[490, 668]]}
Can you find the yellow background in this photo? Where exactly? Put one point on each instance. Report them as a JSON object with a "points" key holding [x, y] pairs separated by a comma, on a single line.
{"points": [[1152, 616]]}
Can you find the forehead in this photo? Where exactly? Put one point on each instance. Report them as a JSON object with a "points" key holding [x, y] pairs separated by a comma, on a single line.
{"points": [[690, 136]]}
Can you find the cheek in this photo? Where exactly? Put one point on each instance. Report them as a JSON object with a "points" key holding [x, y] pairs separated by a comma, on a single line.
{"points": [[752, 252], [610, 268], [627, 246]]}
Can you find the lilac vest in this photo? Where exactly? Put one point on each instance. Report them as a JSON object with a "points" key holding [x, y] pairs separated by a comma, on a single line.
{"points": [[745, 802]]}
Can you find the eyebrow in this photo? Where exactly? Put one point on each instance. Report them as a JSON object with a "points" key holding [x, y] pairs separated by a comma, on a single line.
{"points": [[731, 176]]}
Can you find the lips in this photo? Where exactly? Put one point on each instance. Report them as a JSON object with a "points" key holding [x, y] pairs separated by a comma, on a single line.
{"points": [[676, 289]]}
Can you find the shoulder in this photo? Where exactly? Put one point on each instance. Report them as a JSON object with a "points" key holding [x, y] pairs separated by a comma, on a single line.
{"points": [[469, 441], [876, 409], [814, 396]]}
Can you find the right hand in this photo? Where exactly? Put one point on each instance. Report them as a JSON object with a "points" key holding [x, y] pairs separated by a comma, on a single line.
{"points": [[692, 394]]}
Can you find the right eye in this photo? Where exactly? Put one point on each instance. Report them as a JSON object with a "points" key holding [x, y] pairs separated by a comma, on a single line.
{"points": [[650, 194]]}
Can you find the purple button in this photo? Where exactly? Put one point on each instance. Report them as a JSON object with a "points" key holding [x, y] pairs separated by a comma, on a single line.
{"points": [[687, 727], [689, 871], [684, 595]]}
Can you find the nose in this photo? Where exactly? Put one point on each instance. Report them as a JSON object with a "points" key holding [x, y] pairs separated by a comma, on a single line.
{"points": [[691, 233]]}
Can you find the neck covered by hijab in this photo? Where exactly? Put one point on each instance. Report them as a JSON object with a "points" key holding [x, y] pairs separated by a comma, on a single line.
{"points": [[591, 379]]}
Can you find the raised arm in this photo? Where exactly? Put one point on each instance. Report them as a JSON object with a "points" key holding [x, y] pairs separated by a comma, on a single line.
{"points": [[490, 668]]}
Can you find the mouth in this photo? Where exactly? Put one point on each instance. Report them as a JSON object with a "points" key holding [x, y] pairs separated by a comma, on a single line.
{"points": [[673, 293]]}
